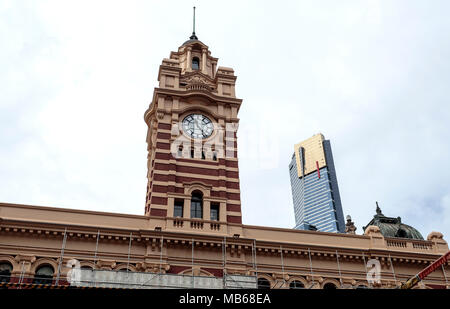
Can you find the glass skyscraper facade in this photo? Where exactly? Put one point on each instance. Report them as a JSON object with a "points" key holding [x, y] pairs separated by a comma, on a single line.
{"points": [[315, 191]]}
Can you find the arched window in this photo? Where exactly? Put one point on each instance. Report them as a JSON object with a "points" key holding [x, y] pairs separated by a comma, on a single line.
{"points": [[296, 285], [195, 63], [86, 267], [329, 286], [263, 284], [5, 272], [197, 205], [44, 275]]}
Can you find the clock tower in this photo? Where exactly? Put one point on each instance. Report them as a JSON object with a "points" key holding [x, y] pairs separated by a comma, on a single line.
{"points": [[193, 175]]}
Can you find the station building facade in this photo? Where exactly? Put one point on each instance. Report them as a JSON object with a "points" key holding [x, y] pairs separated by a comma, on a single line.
{"points": [[192, 224]]}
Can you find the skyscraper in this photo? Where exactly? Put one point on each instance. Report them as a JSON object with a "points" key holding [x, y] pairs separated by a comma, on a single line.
{"points": [[315, 191]]}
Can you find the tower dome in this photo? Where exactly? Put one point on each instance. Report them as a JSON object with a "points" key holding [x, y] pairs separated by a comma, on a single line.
{"points": [[393, 227]]}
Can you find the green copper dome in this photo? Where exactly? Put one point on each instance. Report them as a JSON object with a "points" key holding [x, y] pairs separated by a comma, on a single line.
{"points": [[393, 227]]}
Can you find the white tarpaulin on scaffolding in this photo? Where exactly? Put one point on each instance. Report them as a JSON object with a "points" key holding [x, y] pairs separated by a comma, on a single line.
{"points": [[139, 280]]}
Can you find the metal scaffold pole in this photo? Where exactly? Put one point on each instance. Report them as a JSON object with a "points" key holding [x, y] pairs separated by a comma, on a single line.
{"points": [[61, 256], [254, 261], [193, 279], [445, 276], [224, 278], [161, 253], [310, 266], [282, 264], [95, 256], [392, 268], [160, 261], [129, 251], [225, 255], [22, 273], [339, 268], [365, 267], [96, 247]]}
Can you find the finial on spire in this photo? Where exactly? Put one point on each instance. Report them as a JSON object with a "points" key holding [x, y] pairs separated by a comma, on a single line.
{"points": [[193, 36], [378, 210]]}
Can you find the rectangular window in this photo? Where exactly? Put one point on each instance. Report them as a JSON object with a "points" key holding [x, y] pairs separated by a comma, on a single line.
{"points": [[178, 208], [214, 211]]}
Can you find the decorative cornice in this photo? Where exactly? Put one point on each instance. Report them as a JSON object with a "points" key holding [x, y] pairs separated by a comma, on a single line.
{"points": [[204, 93]]}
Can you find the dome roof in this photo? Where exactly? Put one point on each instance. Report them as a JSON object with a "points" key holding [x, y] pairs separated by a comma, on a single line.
{"points": [[190, 41], [393, 227], [193, 39]]}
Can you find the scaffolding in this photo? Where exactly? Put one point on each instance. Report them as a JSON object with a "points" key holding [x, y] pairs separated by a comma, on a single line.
{"points": [[141, 280], [126, 279]]}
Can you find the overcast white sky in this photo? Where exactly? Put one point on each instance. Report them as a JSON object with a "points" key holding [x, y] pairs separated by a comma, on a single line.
{"points": [[373, 76]]}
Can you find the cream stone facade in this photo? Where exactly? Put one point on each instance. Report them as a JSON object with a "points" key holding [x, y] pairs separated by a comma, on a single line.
{"points": [[33, 236], [43, 242]]}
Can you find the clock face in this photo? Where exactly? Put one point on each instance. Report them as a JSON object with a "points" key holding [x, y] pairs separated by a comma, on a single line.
{"points": [[197, 126]]}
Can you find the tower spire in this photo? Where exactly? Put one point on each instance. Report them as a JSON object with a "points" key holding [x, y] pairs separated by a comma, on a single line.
{"points": [[193, 36]]}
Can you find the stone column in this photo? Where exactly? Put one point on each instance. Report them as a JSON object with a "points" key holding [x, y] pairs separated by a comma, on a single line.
{"points": [[23, 268], [206, 210], [171, 202], [187, 208], [204, 61], [189, 60], [223, 212]]}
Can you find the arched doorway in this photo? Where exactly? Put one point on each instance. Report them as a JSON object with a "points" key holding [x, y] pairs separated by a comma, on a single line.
{"points": [[263, 284], [329, 286]]}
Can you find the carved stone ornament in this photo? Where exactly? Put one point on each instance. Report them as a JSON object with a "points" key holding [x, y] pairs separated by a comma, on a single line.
{"points": [[435, 235], [197, 82], [372, 230], [350, 227]]}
